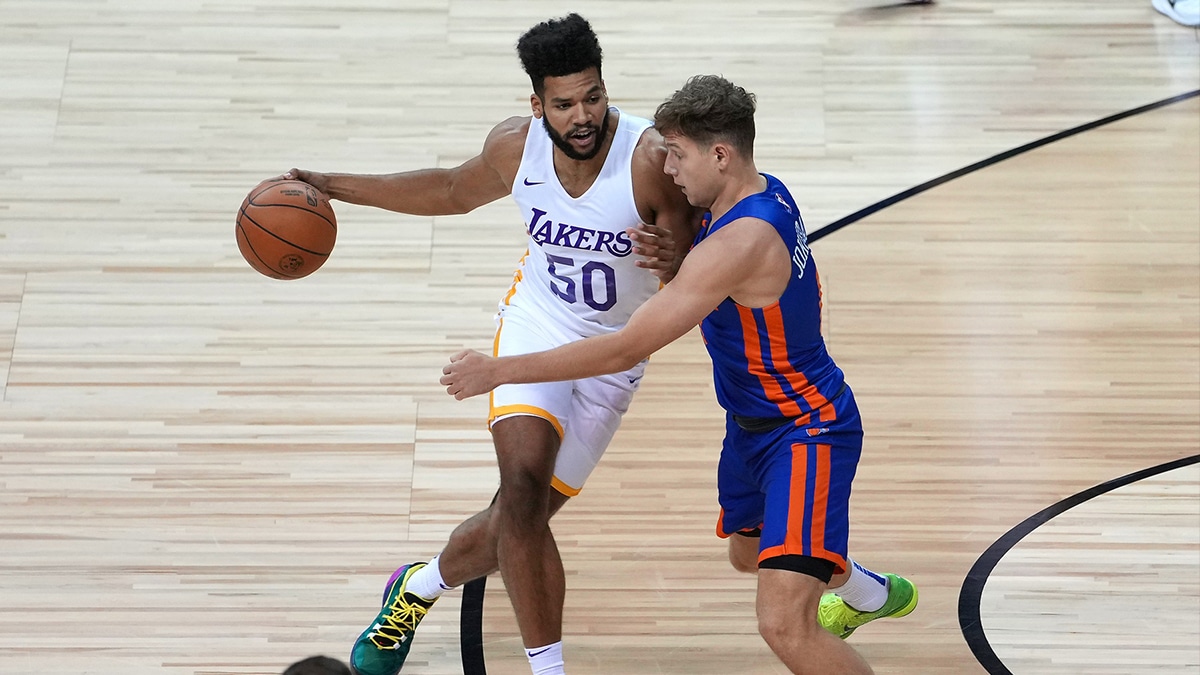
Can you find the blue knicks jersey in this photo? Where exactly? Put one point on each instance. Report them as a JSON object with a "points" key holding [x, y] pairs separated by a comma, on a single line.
{"points": [[771, 361]]}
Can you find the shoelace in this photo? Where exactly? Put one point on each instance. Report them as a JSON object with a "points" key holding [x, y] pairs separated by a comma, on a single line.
{"points": [[404, 616]]}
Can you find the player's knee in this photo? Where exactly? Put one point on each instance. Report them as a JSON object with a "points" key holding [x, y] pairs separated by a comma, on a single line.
{"points": [[775, 631], [743, 553], [525, 482], [524, 494], [742, 563], [780, 629]]}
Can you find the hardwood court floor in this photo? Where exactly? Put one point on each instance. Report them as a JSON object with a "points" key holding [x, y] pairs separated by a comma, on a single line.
{"points": [[1111, 586], [207, 471]]}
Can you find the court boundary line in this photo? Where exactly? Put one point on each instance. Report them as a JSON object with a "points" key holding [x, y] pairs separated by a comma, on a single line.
{"points": [[471, 611], [994, 159], [971, 594]]}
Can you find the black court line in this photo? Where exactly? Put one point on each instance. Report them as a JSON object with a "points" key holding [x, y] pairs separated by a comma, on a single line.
{"points": [[470, 627], [899, 197], [972, 589], [471, 614]]}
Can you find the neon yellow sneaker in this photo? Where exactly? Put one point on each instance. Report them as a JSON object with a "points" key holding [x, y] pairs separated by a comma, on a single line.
{"points": [[841, 619], [382, 648]]}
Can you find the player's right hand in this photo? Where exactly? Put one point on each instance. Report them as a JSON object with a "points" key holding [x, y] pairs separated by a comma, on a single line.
{"points": [[317, 180], [468, 374]]}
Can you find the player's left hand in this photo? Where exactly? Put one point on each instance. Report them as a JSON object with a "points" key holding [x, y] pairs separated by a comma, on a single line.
{"points": [[468, 374], [657, 248]]}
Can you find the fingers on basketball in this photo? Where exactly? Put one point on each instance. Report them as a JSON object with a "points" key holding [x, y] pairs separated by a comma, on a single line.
{"points": [[286, 229]]}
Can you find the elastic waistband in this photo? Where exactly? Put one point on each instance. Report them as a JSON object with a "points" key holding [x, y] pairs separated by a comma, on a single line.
{"points": [[758, 425]]}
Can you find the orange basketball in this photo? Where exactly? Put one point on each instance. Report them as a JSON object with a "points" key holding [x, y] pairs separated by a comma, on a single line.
{"points": [[286, 229]]}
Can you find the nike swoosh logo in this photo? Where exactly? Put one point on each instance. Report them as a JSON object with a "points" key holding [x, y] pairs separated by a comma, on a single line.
{"points": [[530, 183], [540, 651]]}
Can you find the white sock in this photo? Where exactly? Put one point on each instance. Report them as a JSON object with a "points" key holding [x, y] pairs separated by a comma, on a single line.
{"points": [[546, 660], [865, 590], [427, 582]]}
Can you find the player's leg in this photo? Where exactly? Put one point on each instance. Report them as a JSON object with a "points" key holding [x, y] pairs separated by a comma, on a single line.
{"points": [[803, 543], [529, 562], [593, 412], [741, 502], [804, 515], [513, 530], [528, 423], [470, 552], [787, 620], [861, 588], [526, 431], [864, 596], [596, 408], [743, 551], [856, 594], [862, 591], [590, 421]]}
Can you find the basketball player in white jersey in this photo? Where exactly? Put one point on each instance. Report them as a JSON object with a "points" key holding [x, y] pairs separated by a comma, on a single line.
{"points": [[603, 219]]}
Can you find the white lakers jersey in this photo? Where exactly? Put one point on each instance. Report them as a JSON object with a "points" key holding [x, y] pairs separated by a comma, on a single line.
{"points": [[579, 269]]}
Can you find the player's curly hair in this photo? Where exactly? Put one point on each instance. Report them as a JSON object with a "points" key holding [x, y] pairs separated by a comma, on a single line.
{"points": [[558, 47], [708, 108]]}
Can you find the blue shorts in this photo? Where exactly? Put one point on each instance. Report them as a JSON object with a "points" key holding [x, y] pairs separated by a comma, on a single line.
{"points": [[793, 482]]}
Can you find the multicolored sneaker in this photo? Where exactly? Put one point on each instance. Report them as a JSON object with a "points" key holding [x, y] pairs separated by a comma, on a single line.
{"points": [[382, 648], [841, 619]]}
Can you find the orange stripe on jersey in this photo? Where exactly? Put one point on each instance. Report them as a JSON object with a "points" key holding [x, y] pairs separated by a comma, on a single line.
{"points": [[517, 276], [794, 541], [775, 552], [564, 488], [754, 360], [803, 420], [496, 339], [721, 526], [531, 411], [777, 338], [495, 353], [820, 501]]}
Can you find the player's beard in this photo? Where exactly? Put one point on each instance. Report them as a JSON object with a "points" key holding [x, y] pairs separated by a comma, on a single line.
{"points": [[564, 145]]}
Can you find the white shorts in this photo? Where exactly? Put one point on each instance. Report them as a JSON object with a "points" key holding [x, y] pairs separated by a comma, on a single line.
{"points": [[586, 413]]}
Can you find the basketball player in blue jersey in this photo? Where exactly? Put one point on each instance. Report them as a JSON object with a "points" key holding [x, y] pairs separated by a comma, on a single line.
{"points": [[602, 219], [793, 434]]}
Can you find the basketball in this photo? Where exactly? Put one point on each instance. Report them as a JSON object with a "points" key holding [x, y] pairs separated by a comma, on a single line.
{"points": [[286, 229]]}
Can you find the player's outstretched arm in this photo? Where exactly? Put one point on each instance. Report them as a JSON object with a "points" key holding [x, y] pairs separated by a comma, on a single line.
{"points": [[713, 271], [433, 192]]}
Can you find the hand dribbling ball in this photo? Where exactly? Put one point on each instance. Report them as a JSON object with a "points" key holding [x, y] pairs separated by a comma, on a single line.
{"points": [[286, 229]]}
